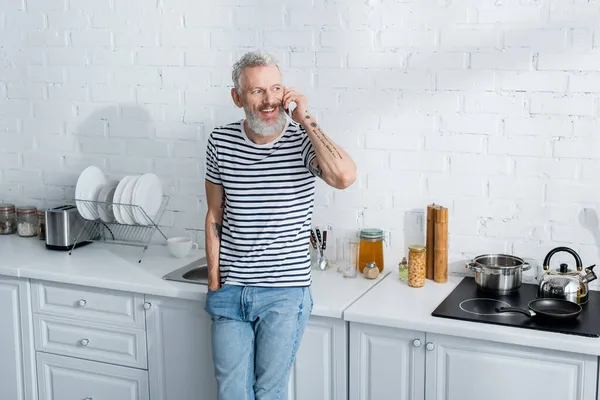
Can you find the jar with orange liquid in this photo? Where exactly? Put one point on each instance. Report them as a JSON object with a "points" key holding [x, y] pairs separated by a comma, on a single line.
{"points": [[370, 248]]}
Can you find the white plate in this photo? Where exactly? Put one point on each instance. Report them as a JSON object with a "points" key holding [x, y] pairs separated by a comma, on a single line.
{"points": [[126, 212], [105, 199], [88, 187], [117, 198], [147, 194]]}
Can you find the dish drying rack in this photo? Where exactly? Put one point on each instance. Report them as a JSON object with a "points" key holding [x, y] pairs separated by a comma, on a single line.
{"points": [[137, 234]]}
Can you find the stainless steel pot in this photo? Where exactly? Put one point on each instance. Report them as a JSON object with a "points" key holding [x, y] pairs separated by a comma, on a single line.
{"points": [[498, 273]]}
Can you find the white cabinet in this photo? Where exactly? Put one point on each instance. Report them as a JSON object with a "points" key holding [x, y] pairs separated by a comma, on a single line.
{"points": [[66, 378], [17, 356], [179, 350], [387, 363], [180, 356], [320, 370], [459, 368]]}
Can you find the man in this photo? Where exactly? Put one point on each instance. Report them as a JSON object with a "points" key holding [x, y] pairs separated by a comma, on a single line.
{"points": [[260, 185]]}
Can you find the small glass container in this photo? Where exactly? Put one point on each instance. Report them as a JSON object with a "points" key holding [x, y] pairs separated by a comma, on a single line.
{"points": [[371, 249], [403, 269], [27, 221], [41, 224], [8, 219], [417, 265], [371, 270], [350, 258]]}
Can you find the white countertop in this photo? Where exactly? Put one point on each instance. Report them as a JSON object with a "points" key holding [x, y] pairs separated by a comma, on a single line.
{"points": [[395, 304], [116, 267]]}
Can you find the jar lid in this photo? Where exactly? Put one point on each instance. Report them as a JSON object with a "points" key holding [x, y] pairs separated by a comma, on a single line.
{"points": [[26, 210], [371, 234], [7, 207], [417, 247]]}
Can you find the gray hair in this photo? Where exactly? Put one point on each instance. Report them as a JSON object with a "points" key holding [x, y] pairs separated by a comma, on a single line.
{"points": [[250, 59]]}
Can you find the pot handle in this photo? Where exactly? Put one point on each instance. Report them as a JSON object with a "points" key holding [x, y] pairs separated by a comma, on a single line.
{"points": [[526, 266], [514, 309], [472, 266]]}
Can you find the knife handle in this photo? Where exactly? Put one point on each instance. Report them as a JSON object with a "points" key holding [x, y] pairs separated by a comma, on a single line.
{"points": [[324, 240], [313, 241], [319, 238]]}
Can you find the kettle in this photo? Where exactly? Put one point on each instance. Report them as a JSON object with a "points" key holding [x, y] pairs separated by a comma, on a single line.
{"points": [[565, 283]]}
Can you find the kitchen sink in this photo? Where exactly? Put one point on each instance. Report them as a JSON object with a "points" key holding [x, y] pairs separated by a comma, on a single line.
{"points": [[195, 272]]}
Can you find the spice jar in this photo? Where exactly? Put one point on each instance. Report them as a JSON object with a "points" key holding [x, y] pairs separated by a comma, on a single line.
{"points": [[41, 224], [403, 269], [417, 265], [371, 271], [370, 249], [8, 219], [27, 221]]}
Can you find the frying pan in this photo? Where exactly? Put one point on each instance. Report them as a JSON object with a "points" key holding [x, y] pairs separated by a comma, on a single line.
{"points": [[548, 308]]}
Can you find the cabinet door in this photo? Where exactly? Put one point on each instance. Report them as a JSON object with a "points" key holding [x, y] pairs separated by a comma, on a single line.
{"points": [[386, 363], [66, 378], [179, 350], [464, 369], [320, 370], [17, 356]]}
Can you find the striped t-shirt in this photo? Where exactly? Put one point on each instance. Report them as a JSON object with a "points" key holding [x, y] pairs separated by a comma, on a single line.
{"points": [[269, 194]]}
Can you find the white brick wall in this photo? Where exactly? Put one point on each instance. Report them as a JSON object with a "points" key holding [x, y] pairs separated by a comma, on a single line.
{"points": [[491, 110]]}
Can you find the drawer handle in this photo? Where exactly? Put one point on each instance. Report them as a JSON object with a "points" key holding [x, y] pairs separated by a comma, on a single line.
{"points": [[85, 342], [82, 303]]}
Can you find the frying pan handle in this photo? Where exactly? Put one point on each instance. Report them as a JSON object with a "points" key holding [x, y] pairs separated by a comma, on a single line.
{"points": [[514, 309]]}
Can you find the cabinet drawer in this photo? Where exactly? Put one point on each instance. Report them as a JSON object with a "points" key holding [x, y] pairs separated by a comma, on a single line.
{"points": [[115, 345], [65, 378], [92, 304]]}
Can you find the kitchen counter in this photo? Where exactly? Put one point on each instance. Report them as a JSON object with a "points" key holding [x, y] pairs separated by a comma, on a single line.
{"points": [[397, 305], [116, 267]]}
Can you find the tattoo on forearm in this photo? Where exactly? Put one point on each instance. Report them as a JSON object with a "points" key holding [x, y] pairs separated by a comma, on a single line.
{"points": [[328, 144], [217, 229], [315, 168]]}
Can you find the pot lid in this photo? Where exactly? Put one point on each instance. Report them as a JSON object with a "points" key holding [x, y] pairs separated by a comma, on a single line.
{"points": [[498, 261]]}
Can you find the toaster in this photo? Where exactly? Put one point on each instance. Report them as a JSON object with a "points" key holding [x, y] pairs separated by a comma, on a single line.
{"points": [[63, 225]]}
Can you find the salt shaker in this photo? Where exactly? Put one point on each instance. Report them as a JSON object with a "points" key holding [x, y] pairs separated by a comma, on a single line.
{"points": [[371, 271]]}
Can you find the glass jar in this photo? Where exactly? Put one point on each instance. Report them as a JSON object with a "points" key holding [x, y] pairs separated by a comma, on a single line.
{"points": [[41, 224], [370, 249], [417, 265], [8, 219], [27, 221]]}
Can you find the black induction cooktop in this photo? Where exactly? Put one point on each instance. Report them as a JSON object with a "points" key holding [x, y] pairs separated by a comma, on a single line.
{"points": [[468, 303]]}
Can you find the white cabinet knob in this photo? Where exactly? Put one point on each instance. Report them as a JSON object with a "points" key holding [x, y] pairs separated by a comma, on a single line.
{"points": [[417, 343], [85, 342], [88, 398], [82, 303], [430, 346], [147, 305]]}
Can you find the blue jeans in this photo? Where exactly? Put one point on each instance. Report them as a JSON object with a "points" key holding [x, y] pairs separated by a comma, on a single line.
{"points": [[256, 332]]}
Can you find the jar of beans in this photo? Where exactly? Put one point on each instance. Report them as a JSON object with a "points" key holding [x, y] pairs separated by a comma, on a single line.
{"points": [[8, 219], [417, 265]]}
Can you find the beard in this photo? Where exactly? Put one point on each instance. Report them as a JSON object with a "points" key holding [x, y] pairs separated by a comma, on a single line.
{"points": [[261, 127]]}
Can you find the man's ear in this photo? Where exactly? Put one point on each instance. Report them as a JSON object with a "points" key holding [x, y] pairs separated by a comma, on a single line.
{"points": [[236, 98]]}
